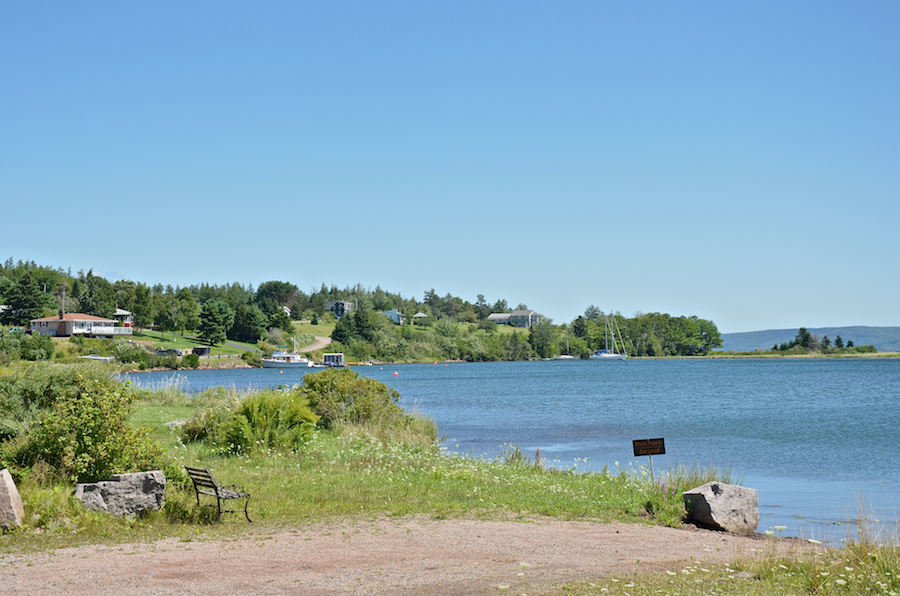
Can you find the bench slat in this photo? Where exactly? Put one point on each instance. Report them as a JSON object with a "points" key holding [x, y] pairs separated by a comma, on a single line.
{"points": [[205, 484]]}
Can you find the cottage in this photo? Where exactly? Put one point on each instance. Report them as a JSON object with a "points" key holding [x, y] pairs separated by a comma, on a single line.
{"points": [[124, 317], [395, 316], [517, 318], [339, 308], [69, 324]]}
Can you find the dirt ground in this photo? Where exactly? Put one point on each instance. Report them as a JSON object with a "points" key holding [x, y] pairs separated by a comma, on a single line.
{"points": [[406, 556]]}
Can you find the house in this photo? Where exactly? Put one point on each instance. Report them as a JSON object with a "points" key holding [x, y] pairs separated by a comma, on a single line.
{"points": [[516, 318], [124, 317], [339, 308], [395, 316], [524, 318], [68, 324]]}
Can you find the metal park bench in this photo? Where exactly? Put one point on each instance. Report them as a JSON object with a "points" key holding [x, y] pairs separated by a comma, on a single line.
{"points": [[205, 484]]}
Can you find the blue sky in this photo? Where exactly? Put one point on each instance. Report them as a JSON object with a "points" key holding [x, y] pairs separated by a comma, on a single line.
{"points": [[739, 163]]}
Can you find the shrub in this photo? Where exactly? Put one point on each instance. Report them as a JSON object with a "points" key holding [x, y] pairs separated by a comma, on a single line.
{"points": [[127, 352], [207, 421], [277, 419], [191, 360], [82, 432], [271, 418], [342, 396], [252, 359]]}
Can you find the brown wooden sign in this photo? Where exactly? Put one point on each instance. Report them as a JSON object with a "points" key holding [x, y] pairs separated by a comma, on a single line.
{"points": [[649, 447]]}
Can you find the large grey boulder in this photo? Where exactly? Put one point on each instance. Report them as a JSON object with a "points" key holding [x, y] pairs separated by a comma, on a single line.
{"points": [[723, 507], [12, 512], [124, 494]]}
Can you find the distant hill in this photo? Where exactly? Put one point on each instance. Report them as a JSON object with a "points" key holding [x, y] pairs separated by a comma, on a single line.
{"points": [[885, 339]]}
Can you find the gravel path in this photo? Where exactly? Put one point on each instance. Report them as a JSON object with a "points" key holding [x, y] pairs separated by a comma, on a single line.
{"points": [[407, 556]]}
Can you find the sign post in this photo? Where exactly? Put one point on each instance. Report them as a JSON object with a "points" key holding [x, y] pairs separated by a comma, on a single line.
{"points": [[649, 447]]}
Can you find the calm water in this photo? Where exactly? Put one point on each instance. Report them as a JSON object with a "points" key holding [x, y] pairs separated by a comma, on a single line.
{"points": [[815, 437]]}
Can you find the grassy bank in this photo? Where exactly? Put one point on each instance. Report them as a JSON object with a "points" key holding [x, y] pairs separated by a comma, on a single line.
{"points": [[365, 461]]}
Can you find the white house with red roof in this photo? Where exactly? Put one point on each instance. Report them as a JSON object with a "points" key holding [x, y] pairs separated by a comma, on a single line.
{"points": [[68, 324]]}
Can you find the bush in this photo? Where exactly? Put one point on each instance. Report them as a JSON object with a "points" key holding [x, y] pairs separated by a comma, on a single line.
{"points": [[128, 352], [277, 419], [81, 430], [207, 421], [252, 359], [269, 419], [191, 360], [342, 396], [36, 347]]}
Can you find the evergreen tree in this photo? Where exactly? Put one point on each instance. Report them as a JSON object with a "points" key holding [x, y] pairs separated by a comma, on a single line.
{"points": [[250, 324], [344, 330], [839, 343], [26, 302], [97, 296], [216, 318]]}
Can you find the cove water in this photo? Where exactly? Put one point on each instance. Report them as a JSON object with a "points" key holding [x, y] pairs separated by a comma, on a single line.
{"points": [[817, 438]]}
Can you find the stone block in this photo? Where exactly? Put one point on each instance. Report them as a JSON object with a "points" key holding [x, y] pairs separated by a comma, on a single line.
{"points": [[12, 511], [124, 494], [726, 507]]}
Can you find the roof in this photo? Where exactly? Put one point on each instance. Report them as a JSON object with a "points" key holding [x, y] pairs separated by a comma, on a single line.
{"points": [[524, 313], [498, 316], [121, 312], [72, 316]]}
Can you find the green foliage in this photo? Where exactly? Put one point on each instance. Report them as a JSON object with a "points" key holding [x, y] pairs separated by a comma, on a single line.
{"points": [[216, 319], [19, 345], [808, 343], [250, 324], [96, 296], [25, 301], [36, 347], [342, 396], [542, 339], [252, 358], [269, 419], [75, 423], [191, 360]]}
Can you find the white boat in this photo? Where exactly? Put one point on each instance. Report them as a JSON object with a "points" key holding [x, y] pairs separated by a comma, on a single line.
{"points": [[615, 350], [287, 359], [566, 356]]}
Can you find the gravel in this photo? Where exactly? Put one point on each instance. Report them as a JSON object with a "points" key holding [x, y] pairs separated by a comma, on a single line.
{"points": [[397, 556]]}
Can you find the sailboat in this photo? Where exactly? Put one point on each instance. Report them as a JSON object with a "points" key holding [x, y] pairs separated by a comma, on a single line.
{"points": [[566, 356], [615, 350]]}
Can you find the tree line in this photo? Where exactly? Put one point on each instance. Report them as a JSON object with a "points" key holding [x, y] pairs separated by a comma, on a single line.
{"points": [[452, 328], [809, 343]]}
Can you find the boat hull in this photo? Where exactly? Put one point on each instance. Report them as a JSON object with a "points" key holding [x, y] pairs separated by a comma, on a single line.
{"points": [[271, 363], [608, 356]]}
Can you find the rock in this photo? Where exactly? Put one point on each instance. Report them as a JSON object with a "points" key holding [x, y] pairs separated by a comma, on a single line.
{"points": [[12, 512], [124, 494], [723, 507]]}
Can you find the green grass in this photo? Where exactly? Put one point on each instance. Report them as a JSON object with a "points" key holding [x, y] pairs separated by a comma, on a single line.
{"points": [[858, 568], [188, 341], [341, 474], [320, 330], [348, 474]]}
